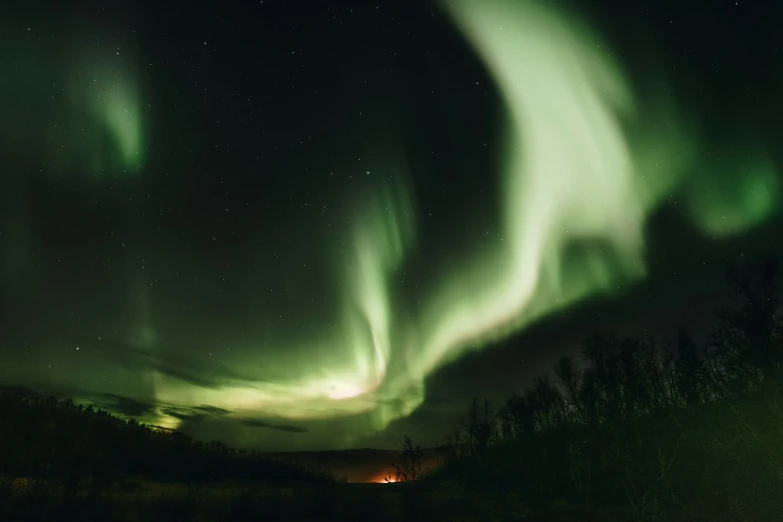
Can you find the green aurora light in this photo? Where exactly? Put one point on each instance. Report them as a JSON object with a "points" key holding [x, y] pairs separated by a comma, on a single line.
{"points": [[584, 166], [91, 122], [584, 162]]}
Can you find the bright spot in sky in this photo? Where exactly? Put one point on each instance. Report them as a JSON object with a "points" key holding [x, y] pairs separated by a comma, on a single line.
{"points": [[340, 392]]}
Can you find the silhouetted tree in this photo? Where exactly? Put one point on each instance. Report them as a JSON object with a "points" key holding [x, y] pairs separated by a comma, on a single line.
{"points": [[481, 426], [570, 379], [409, 464], [56, 439], [691, 378], [748, 337], [520, 415]]}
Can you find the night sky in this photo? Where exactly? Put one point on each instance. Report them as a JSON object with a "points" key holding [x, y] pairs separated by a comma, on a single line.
{"points": [[321, 225]]}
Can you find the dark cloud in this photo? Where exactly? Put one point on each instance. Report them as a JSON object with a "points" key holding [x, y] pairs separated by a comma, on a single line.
{"points": [[193, 372], [257, 423], [195, 414], [112, 402], [122, 405], [183, 414], [134, 358], [21, 390], [127, 406], [57, 394], [213, 411]]}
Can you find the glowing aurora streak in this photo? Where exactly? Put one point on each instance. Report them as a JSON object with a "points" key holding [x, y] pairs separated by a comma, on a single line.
{"points": [[113, 100], [348, 366], [725, 205], [381, 239], [116, 104], [573, 176], [91, 121]]}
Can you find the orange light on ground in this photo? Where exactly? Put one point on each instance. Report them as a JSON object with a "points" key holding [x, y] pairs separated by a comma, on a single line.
{"points": [[382, 478]]}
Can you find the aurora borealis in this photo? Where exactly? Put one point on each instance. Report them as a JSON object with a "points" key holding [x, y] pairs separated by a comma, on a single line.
{"points": [[243, 225]]}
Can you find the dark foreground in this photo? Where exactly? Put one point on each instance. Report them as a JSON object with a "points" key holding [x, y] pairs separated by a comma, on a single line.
{"points": [[42, 501]]}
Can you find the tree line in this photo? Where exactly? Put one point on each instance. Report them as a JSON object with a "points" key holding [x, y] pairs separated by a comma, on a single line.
{"points": [[45, 437], [660, 429]]}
